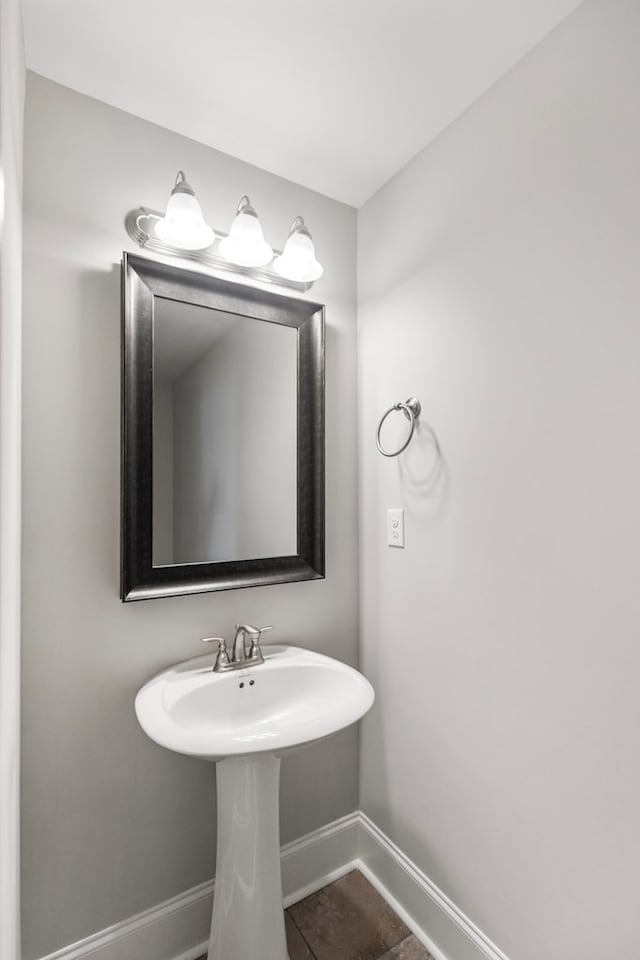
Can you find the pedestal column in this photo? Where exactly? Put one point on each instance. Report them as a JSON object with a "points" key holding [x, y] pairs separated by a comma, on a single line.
{"points": [[248, 919]]}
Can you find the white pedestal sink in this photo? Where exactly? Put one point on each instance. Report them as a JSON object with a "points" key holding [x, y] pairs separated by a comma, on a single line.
{"points": [[245, 720]]}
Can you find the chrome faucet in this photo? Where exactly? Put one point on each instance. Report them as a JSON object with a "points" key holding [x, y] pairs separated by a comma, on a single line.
{"points": [[241, 656]]}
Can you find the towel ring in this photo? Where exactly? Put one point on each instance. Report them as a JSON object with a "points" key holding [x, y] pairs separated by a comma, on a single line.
{"points": [[411, 409]]}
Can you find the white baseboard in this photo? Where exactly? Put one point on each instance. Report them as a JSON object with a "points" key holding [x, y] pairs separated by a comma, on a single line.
{"points": [[319, 858], [178, 929], [435, 920]]}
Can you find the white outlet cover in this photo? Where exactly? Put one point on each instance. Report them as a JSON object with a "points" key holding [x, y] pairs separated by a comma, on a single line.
{"points": [[395, 527]]}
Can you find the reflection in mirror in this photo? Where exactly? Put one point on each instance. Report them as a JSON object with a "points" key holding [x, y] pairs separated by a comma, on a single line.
{"points": [[224, 436]]}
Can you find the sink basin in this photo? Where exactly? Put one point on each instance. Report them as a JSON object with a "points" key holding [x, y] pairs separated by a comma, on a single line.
{"points": [[245, 720], [295, 697]]}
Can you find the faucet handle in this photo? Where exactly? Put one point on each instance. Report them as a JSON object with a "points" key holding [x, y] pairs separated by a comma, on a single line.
{"points": [[223, 655], [253, 632], [255, 653], [219, 640]]}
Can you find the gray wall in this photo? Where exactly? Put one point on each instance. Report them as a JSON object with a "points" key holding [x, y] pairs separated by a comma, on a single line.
{"points": [[499, 282], [12, 78], [112, 823]]}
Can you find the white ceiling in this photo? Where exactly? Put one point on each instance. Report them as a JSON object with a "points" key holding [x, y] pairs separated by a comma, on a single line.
{"points": [[336, 95]]}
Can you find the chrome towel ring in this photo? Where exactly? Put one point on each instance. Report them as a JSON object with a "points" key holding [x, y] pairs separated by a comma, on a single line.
{"points": [[411, 409]]}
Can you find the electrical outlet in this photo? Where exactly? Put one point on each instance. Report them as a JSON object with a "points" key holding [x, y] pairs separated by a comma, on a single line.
{"points": [[395, 528]]}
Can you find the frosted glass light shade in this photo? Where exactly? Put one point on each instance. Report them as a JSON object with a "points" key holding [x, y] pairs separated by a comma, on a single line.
{"points": [[183, 224], [245, 244], [298, 261]]}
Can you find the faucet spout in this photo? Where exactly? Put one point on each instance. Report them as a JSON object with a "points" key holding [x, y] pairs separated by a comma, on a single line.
{"points": [[240, 651], [240, 654]]}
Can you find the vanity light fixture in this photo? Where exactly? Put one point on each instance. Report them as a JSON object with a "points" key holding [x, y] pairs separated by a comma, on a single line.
{"points": [[183, 224], [298, 259], [183, 232], [245, 244]]}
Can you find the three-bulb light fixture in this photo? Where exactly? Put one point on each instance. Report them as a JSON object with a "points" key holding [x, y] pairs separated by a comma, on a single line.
{"points": [[183, 228]]}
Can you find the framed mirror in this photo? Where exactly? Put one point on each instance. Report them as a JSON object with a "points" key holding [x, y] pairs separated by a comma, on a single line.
{"points": [[222, 434]]}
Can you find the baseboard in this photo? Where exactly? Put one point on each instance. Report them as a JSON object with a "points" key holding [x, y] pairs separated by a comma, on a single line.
{"points": [[435, 920], [319, 858], [178, 928]]}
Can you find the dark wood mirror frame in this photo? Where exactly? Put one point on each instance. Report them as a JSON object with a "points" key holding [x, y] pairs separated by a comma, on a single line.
{"points": [[143, 280]]}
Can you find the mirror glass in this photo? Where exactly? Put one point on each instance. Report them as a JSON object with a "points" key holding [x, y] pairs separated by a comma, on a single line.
{"points": [[224, 436]]}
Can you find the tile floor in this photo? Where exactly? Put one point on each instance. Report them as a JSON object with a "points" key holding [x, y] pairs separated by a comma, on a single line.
{"points": [[348, 920]]}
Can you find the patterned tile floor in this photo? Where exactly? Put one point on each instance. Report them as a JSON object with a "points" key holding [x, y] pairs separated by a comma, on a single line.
{"points": [[348, 920]]}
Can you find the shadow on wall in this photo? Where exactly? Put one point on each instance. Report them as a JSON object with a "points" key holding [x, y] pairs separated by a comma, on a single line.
{"points": [[424, 475]]}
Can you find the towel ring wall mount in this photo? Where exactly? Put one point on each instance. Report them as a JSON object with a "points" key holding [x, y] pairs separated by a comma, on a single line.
{"points": [[411, 409]]}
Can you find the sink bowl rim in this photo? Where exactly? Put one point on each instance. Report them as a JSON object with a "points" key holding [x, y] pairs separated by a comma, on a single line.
{"points": [[182, 679]]}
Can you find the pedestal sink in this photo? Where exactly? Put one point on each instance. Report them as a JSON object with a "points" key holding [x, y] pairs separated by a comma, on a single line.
{"points": [[245, 720]]}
